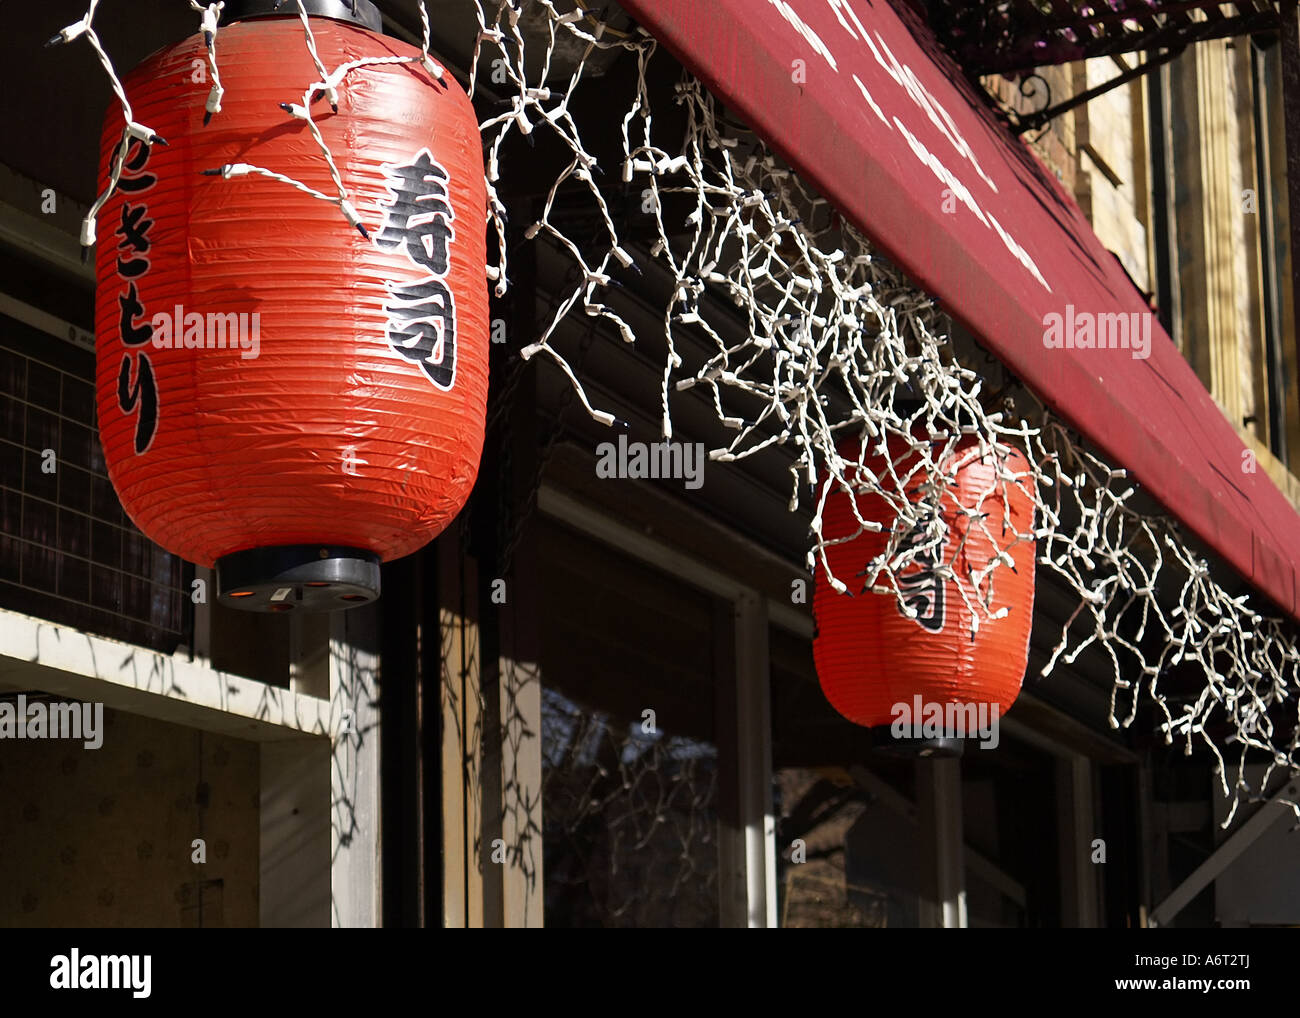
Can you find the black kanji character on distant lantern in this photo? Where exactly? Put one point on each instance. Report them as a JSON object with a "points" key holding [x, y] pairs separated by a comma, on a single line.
{"points": [[922, 589], [422, 315]]}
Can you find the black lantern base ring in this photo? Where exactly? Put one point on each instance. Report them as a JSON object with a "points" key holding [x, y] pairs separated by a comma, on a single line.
{"points": [[884, 741], [298, 578], [357, 12]]}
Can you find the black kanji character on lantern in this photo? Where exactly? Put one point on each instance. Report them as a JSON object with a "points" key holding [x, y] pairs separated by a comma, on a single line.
{"points": [[132, 180], [144, 394], [422, 322], [419, 215], [423, 328], [923, 590], [130, 333], [134, 232]]}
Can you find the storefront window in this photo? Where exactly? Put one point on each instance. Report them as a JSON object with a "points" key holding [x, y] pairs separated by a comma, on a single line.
{"points": [[629, 753]]}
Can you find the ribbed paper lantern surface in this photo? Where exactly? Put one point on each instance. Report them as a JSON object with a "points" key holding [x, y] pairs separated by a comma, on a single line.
{"points": [[870, 656], [272, 386]]}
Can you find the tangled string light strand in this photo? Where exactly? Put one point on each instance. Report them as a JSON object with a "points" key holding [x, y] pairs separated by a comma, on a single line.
{"points": [[828, 326]]}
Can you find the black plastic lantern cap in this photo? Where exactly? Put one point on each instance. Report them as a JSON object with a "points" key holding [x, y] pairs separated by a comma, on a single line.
{"points": [[298, 578], [356, 12]]}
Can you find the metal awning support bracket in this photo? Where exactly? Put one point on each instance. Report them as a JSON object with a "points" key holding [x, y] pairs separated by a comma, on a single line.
{"points": [[1044, 116]]}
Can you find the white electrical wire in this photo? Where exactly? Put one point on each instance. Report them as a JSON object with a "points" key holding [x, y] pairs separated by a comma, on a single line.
{"points": [[85, 27], [209, 25], [328, 88]]}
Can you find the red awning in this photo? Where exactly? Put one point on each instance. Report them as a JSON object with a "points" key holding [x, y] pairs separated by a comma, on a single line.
{"points": [[883, 124]]}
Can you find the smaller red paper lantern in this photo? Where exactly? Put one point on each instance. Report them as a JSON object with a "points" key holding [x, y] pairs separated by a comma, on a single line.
{"points": [[870, 656]]}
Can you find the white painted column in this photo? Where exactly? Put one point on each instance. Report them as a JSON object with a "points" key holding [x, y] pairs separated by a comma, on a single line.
{"points": [[754, 752], [943, 875], [354, 771], [1076, 830]]}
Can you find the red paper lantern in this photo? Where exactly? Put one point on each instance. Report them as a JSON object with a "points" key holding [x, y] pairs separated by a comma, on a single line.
{"points": [[870, 656], [279, 396]]}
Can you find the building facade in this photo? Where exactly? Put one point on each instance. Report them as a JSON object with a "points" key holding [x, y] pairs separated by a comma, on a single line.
{"points": [[592, 700]]}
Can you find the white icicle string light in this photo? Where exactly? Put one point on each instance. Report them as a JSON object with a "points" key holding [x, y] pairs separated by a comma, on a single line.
{"points": [[85, 27], [327, 88], [209, 25], [825, 318]]}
